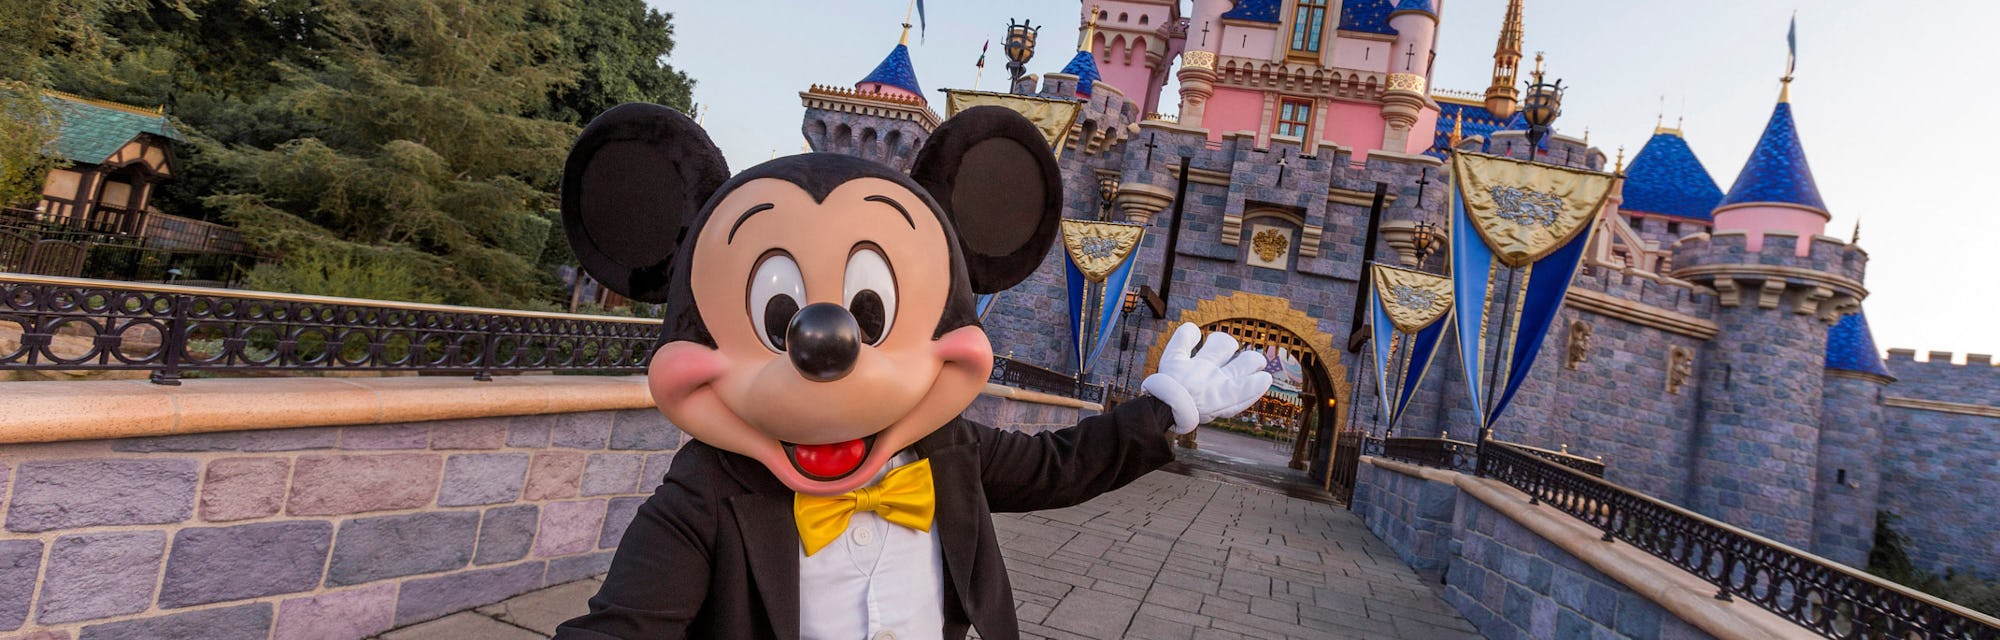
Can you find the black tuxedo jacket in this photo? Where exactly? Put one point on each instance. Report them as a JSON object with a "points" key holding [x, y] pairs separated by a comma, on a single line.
{"points": [[714, 552]]}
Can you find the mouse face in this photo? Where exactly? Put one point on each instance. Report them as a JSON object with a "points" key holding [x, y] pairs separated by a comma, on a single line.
{"points": [[819, 307]]}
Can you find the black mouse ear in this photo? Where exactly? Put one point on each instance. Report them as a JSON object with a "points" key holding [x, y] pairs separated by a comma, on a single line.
{"points": [[637, 177], [993, 173]]}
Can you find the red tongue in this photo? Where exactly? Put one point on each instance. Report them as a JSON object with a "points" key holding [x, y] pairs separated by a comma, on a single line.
{"points": [[830, 460]]}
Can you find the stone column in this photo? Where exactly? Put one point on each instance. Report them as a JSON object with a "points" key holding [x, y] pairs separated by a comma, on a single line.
{"points": [[1197, 76]]}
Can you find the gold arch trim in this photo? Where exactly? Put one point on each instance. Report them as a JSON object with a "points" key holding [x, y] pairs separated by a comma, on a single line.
{"points": [[1279, 313]]}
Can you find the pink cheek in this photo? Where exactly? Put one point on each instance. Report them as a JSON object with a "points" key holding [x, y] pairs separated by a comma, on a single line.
{"points": [[681, 368], [964, 346]]}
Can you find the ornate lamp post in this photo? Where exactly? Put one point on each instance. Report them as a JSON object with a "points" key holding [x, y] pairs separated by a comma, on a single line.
{"points": [[1540, 107], [1107, 190], [1020, 47], [1424, 239]]}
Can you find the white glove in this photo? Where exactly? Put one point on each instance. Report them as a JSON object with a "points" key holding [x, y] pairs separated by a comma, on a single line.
{"points": [[1202, 388]]}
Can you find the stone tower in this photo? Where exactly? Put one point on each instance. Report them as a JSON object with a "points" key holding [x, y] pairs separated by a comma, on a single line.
{"points": [[1415, 22], [1779, 285], [1850, 444], [883, 118]]}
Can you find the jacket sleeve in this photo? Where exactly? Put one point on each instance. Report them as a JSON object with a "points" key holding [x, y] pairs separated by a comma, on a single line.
{"points": [[1057, 469], [659, 576]]}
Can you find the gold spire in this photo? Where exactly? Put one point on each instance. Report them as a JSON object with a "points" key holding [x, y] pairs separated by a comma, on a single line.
{"points": [[1620, 164], [1785, 89], [1089, 29], [1457, 128], [1500, 95], [906, 23], [1857, 232]]}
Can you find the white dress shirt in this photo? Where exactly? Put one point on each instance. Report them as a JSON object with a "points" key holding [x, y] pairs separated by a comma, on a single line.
{"points": [[877, 581]]}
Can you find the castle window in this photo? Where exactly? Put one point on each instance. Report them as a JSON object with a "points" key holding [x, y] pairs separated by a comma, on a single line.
{"points": [[1294, 118], [1143, 19], [1307, 20], [1674, 228]]}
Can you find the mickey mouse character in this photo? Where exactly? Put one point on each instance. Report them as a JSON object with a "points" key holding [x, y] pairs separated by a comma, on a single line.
{"points": [[820, 344]]}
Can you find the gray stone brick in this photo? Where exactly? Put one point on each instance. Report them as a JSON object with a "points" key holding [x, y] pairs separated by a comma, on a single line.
{"points": [[242, 622], [483, 478], [64, 494], [645, 429], [617, 516], [217, 564], [386, 436], [608, 473], [506, 534], [475, 433], [582, 430], [99, 575], [656, 470], [370, 549], [20, 564], [291, 439], [529, 432], [572, 568], [426, 598]]}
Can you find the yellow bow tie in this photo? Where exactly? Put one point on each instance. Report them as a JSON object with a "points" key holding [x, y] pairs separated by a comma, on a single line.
{"points": [[904, 497]]}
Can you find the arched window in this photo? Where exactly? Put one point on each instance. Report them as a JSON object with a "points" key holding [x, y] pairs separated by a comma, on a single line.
{"points": [[1123, 16], [1307, 21], [1143, 18]]}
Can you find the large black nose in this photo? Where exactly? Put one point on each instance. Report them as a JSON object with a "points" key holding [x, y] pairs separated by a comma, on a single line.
{"points": [[823, 341]]}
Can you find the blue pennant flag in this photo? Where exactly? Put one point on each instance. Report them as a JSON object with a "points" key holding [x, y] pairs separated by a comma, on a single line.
{"points": [[922, 28], [1518, 231], [1101, 256], [1408, 318], [1792, 46]]}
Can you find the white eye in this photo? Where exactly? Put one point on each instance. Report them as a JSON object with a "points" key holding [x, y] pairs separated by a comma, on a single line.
{"points": [[776, 289], [870, 293]]}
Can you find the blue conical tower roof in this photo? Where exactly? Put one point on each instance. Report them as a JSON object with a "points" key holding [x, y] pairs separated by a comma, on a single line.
{"points": [[896, 71], [1777, 171], [1084, 67], [1666, 178], [1414, 5], [1850, 346]]}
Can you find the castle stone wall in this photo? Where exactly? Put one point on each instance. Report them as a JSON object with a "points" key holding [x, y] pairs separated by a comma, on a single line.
{"points": [[1938, 471], [1850, 481]]}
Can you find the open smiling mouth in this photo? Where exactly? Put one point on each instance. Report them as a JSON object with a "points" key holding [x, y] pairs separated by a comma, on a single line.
{"points": [[831, 461]]}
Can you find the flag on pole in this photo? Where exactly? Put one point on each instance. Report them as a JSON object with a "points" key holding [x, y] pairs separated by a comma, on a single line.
{"points": [[982, 54], [921, 28], [1101, 256], [1408, 317], [1518, 233], [1792, 46]]}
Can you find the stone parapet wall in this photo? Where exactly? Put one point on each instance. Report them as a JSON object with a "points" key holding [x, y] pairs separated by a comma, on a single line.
{"points": [[1825, 254], [1413, 513], [1937, 378], [1646, 289], [1939, 478], [314, 532]]}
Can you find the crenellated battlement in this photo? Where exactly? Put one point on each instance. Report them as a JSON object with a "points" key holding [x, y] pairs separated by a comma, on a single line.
{"points": [[1942, 359], [1645, 288], [1826, 281]]}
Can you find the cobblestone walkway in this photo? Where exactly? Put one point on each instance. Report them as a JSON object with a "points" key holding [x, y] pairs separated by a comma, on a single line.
{"points": [[1169, 557]]}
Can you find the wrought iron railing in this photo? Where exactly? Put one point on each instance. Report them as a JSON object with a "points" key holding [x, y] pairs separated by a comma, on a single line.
{"points": [[78, 324], [1429, 452], [1011, 373], [1593, 467], [1825, 597]]}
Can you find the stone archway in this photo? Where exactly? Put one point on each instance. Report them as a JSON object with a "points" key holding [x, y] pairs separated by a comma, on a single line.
{"points": [[1279, 313]]}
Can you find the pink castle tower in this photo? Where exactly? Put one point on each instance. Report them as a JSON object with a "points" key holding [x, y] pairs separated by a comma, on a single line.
{"points": [[1134, 45]]}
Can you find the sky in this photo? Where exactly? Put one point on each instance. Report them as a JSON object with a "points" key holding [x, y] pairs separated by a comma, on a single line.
{"points": [[1885, 105]]}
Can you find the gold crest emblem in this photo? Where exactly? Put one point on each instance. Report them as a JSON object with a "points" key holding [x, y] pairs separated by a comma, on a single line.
{"points": [[1269, 244]]}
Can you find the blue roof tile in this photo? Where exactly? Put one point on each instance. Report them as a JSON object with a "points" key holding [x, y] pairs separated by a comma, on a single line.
{"points": [[1371, 16], [1084, 67], [1850, 346], [88, 132], [1255, 11], [1666, 178], [1478, 122], [896, 71], [1777, 169], [1425, 6]]}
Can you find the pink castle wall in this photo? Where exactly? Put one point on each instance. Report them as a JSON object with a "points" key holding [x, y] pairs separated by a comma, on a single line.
{"points": [[1356, 125], [1759, 220], [1129, 77], [1363, 54], [1231, 110], [1237, 40], [1421, 136]]}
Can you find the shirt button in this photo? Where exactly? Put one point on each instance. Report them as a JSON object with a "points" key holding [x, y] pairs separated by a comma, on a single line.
{"points": [[865, 535], [886, 635]]}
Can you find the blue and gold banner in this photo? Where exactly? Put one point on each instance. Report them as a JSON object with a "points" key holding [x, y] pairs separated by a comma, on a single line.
{"points": [[1518, 233], [1408, 312], [1101, 257]]}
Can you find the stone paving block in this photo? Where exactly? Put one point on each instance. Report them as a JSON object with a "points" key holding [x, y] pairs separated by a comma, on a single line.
{"points": [[325, 485], [1093, 614], [482, 478], [474, 433], [426, 598], [371, 549], [529, 432], [573, 568], [244, 488], [216, 564], [20, 563], [349, 613], [611, 473], [467, 626], [644, 429], [554, 475], [582, 430], [386, 436], [506, 533], [99, 575], [543, 610], [569, 527], [66, 494], [617, 516], [1145, 626], [39, 635], [239, 622]]}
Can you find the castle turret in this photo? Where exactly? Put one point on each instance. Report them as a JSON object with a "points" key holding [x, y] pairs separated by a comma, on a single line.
{"points": [[1404, 99], [1775, 192], [883, 118], [1084, 66], [1197, 74], [1759, 437], [1668, 193], [1134, 46], [1501, 95], [1850, 443]]}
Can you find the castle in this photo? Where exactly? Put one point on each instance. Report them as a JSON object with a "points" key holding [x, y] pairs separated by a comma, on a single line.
{"points": [[1712, 351]]}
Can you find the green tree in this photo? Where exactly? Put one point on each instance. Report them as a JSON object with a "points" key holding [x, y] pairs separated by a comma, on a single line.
{"points": [[621, 47]]}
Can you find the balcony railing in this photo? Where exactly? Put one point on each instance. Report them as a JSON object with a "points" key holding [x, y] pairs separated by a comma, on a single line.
{"points": [[1823, 596], [1429, 452], [1020, 375]]}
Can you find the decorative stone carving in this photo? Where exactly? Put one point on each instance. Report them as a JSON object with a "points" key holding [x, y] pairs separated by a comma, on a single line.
{"points": [[1680, 368], [1579, 345], [1270, 247]]}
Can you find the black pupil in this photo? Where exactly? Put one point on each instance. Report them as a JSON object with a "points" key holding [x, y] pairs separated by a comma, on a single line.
{"points": [[778, 317], [868, 312]]}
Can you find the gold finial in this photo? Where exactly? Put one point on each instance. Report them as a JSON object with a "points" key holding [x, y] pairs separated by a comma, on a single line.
{"points": [[1620, 165], [1586, 135], [1785, 89], [907, 12], [1538, 63], [1089, 29], [1457, 128], [1857, 232]]}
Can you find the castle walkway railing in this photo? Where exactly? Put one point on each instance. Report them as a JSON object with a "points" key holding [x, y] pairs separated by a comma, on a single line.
{"points": [[1826, 597], [74, 324]]}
